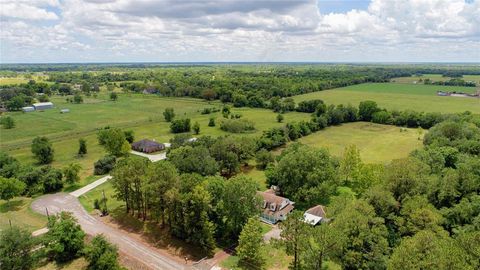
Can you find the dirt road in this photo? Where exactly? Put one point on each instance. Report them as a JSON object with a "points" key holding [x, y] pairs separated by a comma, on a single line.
{"points": [[147, 255]]}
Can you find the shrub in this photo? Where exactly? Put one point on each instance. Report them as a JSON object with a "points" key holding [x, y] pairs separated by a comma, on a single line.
{"points": [[7, 122], [104, 165], [237, 125], [211, 122], [180, 125]]}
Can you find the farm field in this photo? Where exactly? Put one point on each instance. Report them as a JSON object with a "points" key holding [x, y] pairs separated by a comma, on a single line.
{"points": [[377, 143], [21, 79], [397, 96], [434, 78], [140, 113]]}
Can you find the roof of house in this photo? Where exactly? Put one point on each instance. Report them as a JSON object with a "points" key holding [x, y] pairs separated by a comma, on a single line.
{"points": [[318, 211], [315, 215], [279, 201], [146, 143], [43, 104]]}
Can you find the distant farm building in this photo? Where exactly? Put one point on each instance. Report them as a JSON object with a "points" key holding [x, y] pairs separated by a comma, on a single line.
{"points": [[456, 94], [42, 106], [28, 109], [315, 215], [147, 146], [274, 208]]}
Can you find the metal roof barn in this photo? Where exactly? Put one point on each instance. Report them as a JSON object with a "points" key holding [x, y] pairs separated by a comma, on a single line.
{"points": [[43, 105]]}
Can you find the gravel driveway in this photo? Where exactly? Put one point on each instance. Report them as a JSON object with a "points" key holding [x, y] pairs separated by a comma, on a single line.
{"points": [[138, 250]]}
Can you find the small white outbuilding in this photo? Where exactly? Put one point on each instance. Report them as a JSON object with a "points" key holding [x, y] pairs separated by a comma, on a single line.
{"points": [[28, 109], [42, 105]]}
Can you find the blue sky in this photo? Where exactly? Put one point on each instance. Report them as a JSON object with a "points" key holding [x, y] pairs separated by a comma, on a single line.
{"points": [[239, 30]]}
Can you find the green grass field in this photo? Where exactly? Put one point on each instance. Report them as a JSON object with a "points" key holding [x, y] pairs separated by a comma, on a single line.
{"points": [[21, 79], [140, 113], [397, 96], [377, 143], [19, 213]]}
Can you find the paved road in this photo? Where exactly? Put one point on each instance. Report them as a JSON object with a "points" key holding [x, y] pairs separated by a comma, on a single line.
{"points": [[152, 158], [138, 250], [79, 192]]}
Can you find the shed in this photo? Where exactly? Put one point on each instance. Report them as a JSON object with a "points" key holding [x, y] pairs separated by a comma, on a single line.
{"points": [[64, 110], [28, 109], [315, 215], [147, 146], [43, 105]]}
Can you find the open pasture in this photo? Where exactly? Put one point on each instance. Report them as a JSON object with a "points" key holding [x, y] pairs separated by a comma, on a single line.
{"points": [[140, 113], [377, 143], [397, 96]]}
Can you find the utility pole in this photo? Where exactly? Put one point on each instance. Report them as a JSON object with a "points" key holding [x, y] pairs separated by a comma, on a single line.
{"points": [[104, 200]]}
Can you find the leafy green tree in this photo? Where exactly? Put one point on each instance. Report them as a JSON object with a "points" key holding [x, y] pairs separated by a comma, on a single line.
{"points": [[16, 103], [304, 174], [9, 166], [280, 118], [366, 109], [77, 98], [324, 242], [180, 125], [350, 164], [82, 147], [418, 214], [104, 165], [114, 141], [428, 250], [294, 235], [65, 238], [406, 177], [196, 128], [263, 158], [468, 241], [113, 96], [42, 150], [10, 187], [189, 159], [129, 136], [211, 122], [199, 228], [240, 202], [17, 249], [71, 173], [7, 122], [101, 255], [169, 114], [250, 249], [367, 245]]}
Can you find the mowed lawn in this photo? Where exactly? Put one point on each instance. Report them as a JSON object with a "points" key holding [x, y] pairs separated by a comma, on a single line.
{"points": [[377, 143], [18, 212], [399, 96]]}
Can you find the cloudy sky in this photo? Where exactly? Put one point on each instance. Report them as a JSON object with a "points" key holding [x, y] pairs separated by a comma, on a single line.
{"points": [[239, 30]]}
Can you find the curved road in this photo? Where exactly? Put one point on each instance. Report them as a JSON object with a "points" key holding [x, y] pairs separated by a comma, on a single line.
{"points": [[138, 250]]}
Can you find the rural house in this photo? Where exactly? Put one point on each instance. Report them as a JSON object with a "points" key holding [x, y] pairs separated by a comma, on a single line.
{"points": [[147, 146], [274, 208], [315, 215]]}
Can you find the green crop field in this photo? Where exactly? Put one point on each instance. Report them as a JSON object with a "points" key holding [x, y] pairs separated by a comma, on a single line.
{"points": [[377, 143], [397, 96]]}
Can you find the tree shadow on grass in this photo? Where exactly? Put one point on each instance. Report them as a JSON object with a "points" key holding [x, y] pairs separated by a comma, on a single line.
{"points": [[11, 206], [155, 235]]}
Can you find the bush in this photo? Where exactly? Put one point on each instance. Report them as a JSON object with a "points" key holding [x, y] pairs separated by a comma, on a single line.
{"points": [[263, 158], [42, 150], [382, 117], [7, 122], [211, 122], [129, 136], [104, 165], [237, 125], [180, 125]]}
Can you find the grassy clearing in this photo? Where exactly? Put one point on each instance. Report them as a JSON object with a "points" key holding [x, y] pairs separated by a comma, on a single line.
{"points": [[276, 258], [77, 264], [21, 79], [377, 143], [397, 96], [18, 211], [112, 203]]}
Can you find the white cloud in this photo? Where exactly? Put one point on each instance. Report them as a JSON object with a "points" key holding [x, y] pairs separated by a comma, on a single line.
{"points": [[241, 30]]}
